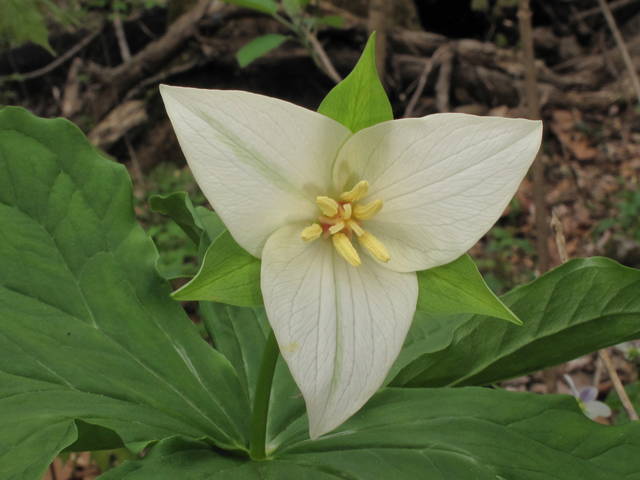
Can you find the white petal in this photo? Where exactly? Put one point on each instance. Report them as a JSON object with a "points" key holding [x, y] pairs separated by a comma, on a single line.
{"points": [[597, 409], [261, 162], [588, 394], [444, 179], [339, 327]]}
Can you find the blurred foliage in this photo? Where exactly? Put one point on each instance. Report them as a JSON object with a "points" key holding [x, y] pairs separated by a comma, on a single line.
{"points": [[627, 220], [31, 20], [178, 253], [501, 262], [613, 400]]}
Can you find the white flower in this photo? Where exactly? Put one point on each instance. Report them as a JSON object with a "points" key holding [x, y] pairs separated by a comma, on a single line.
{"points": [[591, 407], [343, 221]]}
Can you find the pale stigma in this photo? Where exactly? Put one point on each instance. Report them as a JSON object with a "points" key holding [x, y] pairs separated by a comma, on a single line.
{"points": [[375, 247], [356, 193], [347, 211], [311, 233], [336, 228], [345, 248], [365, 212]]}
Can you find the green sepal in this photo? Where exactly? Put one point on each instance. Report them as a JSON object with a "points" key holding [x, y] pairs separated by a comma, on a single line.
{"points": [[359, 101], [458, 287], [229, 274]]}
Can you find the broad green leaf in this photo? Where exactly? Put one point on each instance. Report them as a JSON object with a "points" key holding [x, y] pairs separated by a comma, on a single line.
{"points": [[259, 47], [580, 307], [265, 6], [444, 434], [458, 287], [88, 332], [428, 333], [359, 101], [229, 274], [179, 207], [240, 335]]}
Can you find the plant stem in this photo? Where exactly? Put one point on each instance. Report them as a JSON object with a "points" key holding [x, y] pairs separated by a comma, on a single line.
{"points": [[257, 444]]}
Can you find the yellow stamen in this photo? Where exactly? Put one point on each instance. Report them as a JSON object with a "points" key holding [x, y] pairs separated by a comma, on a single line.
{"points": [[336, 228], [356, 193], [365, 212], [374, 246], [328, 206], [311, 233], [357, 229], [347, 211], [344, 248]]}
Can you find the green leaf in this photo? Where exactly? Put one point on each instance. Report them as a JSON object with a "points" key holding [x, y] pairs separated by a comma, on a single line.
{"points": [[359, 101], [335, 21], [258, 47], [265, 6], [179, 207], [22, 20], [580, 307], [467, 433], [428, 333], [291, 7], [211, 222], [229, 274], [458, 287], [613, 400], [88, 332], [240, 335]]}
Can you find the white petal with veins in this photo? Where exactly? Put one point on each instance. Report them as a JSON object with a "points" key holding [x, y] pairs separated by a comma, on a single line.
{"points": [[261, 162], [444, 179], [339, 327]]}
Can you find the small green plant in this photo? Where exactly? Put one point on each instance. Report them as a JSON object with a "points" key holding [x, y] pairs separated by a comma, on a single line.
{"points": [[178, 253]]}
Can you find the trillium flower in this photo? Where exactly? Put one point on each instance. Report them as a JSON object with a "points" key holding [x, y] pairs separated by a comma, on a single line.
{"points": [[586, 398], [343, 221]]}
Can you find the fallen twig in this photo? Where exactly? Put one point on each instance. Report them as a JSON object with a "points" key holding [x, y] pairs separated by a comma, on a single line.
{"points": [[533, 101], [125, 53], [613, 6], [617, 384], [422, 80], [621, 46]]}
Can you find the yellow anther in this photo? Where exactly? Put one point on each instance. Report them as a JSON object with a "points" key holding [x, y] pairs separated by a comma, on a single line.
{"points": [[347, 211], [311, 233], [365, 212], [344, 248], [357, 229], [328, 206], [374, 246], [356, 193], [336, 228]]}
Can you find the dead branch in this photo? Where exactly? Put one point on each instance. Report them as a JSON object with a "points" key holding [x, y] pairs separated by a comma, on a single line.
{"points": [[617, 384], [621, 46]]}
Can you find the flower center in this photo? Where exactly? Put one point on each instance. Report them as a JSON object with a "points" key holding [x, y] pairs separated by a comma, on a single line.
{"points": [[340, 219]]}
